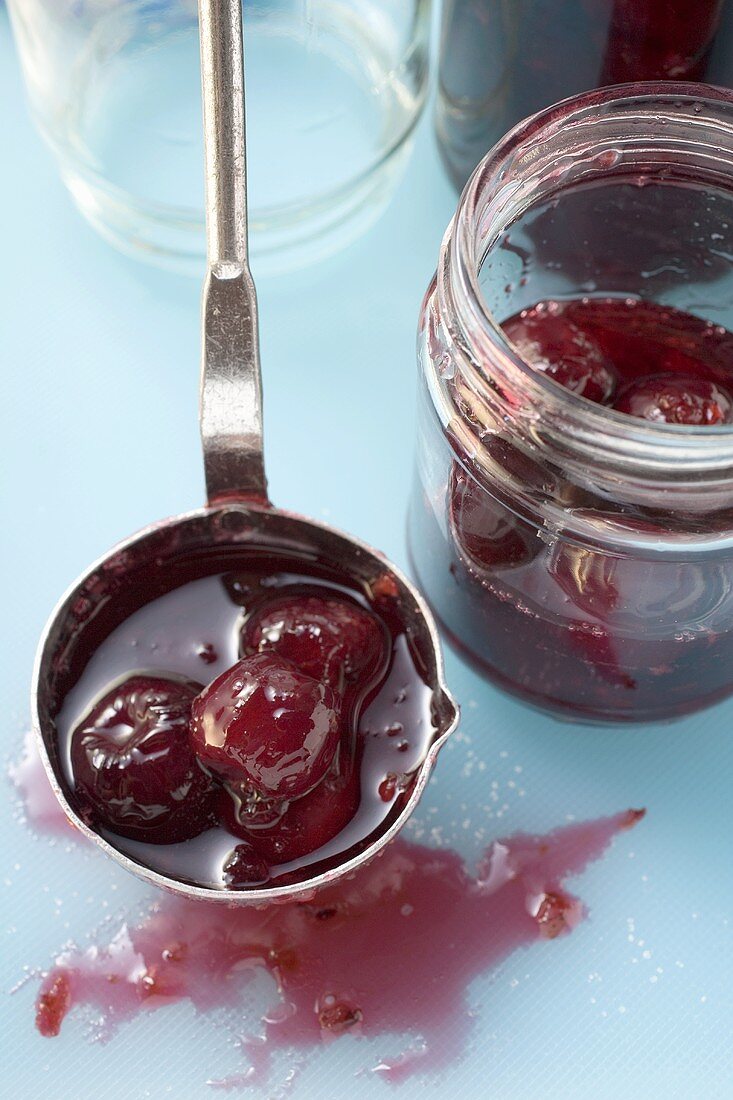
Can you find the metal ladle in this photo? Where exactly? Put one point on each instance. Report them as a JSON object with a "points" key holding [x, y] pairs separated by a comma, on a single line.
{"points": [[238, 513]]}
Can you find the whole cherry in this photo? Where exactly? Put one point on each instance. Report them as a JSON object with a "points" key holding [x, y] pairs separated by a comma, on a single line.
{"points": [[133, 767], [266, 723], [312, 821], [676, 399], [557, 347], [329, 638], [488, 533]]}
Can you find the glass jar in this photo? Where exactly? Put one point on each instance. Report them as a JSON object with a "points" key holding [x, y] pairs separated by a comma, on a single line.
{"points": [[334, 90], [501, 60], [580, 557]]}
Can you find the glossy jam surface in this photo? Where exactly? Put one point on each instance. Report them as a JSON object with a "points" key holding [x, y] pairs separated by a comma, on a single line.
{"points": [[265, 725], [593, 634], [389, 953], [329, 640], [640, 358], [239, 727], [500, 63]]}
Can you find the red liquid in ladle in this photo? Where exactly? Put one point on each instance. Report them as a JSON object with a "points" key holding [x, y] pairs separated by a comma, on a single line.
{"points": [[288, 762]]}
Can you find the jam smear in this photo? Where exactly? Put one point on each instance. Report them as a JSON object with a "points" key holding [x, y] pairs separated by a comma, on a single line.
{"points": [[54, 1001], [227, 722], [392, 951], [40, 806]]}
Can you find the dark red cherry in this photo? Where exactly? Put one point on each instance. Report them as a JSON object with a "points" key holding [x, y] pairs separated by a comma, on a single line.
{"points": [[245, 867], [328, 638], [560, 349], [312, 821], [133, 767], [489, 534], [676, 399], [601, 583], [265, 723], [588, 577]]}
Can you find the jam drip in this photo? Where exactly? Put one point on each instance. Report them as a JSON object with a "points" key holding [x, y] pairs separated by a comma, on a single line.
{"points": [[390, 952], [39, 806]]}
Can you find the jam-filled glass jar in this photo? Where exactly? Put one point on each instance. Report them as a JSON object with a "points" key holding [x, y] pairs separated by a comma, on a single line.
{"points": [[572, 515], [501, 60]]}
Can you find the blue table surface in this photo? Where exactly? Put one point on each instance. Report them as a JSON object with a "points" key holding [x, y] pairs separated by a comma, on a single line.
{"points": [[100, 437]]}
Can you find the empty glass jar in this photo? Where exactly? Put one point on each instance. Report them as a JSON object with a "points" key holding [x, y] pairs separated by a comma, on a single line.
{"points": [[578, 556], [334, 88]]}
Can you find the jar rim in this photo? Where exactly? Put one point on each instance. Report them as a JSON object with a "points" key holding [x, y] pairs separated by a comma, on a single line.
{"points": [[691, 447]]}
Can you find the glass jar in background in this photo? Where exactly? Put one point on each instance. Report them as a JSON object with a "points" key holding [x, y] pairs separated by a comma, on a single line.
{"points": [[334, 88], [502, 60], [580, 557]]}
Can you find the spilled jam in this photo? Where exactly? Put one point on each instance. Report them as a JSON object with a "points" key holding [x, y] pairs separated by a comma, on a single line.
{"points": [[390, 951]]}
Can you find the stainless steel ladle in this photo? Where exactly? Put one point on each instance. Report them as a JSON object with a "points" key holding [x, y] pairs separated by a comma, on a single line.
{"points": [[238, 513]]}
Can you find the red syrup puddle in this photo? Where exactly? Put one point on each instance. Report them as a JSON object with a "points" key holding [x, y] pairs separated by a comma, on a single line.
{"points": [[393, 950]]}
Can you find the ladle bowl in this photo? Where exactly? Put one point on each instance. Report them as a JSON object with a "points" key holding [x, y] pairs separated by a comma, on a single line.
{"points": [[239, 515]]}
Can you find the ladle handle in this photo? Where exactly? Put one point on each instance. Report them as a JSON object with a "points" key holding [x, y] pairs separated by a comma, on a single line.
{"points": [[231, 384]]}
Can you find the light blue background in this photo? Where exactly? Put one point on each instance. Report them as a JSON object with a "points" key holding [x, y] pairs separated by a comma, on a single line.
{"points": [[98, 408]]}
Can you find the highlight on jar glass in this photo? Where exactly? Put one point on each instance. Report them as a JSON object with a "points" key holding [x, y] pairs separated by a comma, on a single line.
{"points": [[335, 88], [502, 60], [572, 514]]}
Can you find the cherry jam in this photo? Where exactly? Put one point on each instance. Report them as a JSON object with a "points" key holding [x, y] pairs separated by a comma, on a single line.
{"points": [[586, 631], [646, 360], [390, 954], [244, 719], [572, 514]]}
